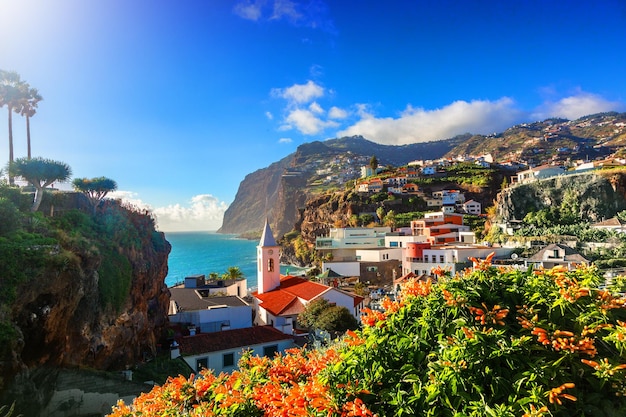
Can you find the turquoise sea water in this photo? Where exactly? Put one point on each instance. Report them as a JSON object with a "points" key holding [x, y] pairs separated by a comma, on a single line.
{"points": [[205, 252]]}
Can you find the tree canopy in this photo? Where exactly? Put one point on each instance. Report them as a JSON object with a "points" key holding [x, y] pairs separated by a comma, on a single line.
{"points": [[95, 188], [40, 172], [322, 315]]}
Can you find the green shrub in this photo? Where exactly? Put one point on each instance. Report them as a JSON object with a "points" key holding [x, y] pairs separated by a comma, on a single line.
{"points": [[115, 278]]}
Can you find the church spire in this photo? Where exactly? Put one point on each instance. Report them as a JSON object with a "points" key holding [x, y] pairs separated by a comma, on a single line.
{"points": [[267, 238], [268, 261]]}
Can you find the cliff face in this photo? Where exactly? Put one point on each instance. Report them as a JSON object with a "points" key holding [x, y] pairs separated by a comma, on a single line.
{"points": [[593, 197], [97, 300], [279, 191]]}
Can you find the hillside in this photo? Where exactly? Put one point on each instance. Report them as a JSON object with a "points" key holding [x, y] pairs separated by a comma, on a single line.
{"points": [[279, 191], [77, 289], [550, 140]]}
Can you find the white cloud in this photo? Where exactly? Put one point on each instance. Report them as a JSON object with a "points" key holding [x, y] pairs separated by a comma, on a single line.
{"points": [[312, 14], [316, 108], [299, 93], [306, 122], [575, 106], [269, 115], [286, 9], [250, 10], [129, 197], [420, 125], [337, 113], [285, 140], [203, 212]]}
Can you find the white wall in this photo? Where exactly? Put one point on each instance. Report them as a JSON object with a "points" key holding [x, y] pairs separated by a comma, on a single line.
{"points": [[239, 317], [346, 269], [378, 255], [341, 299], [215, 359]]}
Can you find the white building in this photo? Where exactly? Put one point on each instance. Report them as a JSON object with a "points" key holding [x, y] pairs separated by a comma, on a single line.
{"points": [[420, 259], [472, 207], [221, 351], [343, 242], [208, 313]]}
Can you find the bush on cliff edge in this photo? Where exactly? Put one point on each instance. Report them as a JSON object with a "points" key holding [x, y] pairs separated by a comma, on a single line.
{"points": [[489, 342]]}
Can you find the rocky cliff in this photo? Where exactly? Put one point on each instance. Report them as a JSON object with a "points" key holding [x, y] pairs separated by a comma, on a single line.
{"points": [[93, 296], [279, 191], [590, 197]]}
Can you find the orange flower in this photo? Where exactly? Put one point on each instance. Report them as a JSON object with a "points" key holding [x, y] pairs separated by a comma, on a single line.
{"points": [[555, 394], [353, 339], [486, 316], [416, 288], [482, 265], [370, 317], [356, 408], [534, 412]]}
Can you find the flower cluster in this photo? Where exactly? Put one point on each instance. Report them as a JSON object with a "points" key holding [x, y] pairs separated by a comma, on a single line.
{"points": [[451, 348]]}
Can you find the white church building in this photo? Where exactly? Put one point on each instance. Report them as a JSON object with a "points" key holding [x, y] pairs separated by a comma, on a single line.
{"points": [[279, 299]]}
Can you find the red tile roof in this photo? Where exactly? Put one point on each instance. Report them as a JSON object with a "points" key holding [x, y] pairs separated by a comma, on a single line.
{"points": [[230, 339], [285, 300]]}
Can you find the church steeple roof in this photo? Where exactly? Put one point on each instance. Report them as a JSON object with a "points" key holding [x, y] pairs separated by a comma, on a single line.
{"points": [[267, 238]]}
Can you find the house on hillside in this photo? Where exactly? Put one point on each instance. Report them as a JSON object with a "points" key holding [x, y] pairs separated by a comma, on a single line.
{"points": [[539, 173], [472, 207], [280, 299], [221, 351], [207, 313], [613, 224], [556, 254]]}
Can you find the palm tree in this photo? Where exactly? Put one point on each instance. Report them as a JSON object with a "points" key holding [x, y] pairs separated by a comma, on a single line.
{"points": [[233, 272], [40, 173], [28, 109], [11, 95]]}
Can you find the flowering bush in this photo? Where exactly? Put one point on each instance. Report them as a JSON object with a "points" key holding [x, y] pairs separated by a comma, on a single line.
{"points": [[489, 342]]}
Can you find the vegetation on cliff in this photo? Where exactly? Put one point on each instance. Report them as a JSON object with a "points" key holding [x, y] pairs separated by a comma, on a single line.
{"points": [[72, 280], [490, 342]]}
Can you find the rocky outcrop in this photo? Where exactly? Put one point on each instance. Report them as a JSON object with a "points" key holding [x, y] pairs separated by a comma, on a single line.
{"points": [[593, 197], [98, 301]]}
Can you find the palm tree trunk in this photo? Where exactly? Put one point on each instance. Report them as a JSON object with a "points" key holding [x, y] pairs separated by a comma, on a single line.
{"points": [[28, 134], [11, 180]]}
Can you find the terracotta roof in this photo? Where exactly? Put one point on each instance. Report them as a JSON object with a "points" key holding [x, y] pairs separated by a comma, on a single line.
{"points": [[301, 287], [613, 221], [282, 300], [295, 307], [230, 339], [275, 301]]}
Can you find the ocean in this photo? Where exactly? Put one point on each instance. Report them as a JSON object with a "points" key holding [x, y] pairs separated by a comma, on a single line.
{"points": [[196, 253]]}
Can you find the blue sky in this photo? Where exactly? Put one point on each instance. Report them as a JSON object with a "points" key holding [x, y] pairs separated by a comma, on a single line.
{"points": [[179, 100]]}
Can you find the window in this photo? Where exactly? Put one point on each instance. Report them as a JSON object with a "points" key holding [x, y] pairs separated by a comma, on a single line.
{"points": [[441, 259], [269, 351], [202, 363], [228, 359], [270, 265]]}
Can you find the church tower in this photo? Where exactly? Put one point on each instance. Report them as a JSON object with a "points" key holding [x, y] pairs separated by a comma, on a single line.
{"points": [[268, 266]]}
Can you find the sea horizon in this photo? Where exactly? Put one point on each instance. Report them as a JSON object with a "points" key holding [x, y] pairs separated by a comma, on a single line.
{"points": [[203, 252]]}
